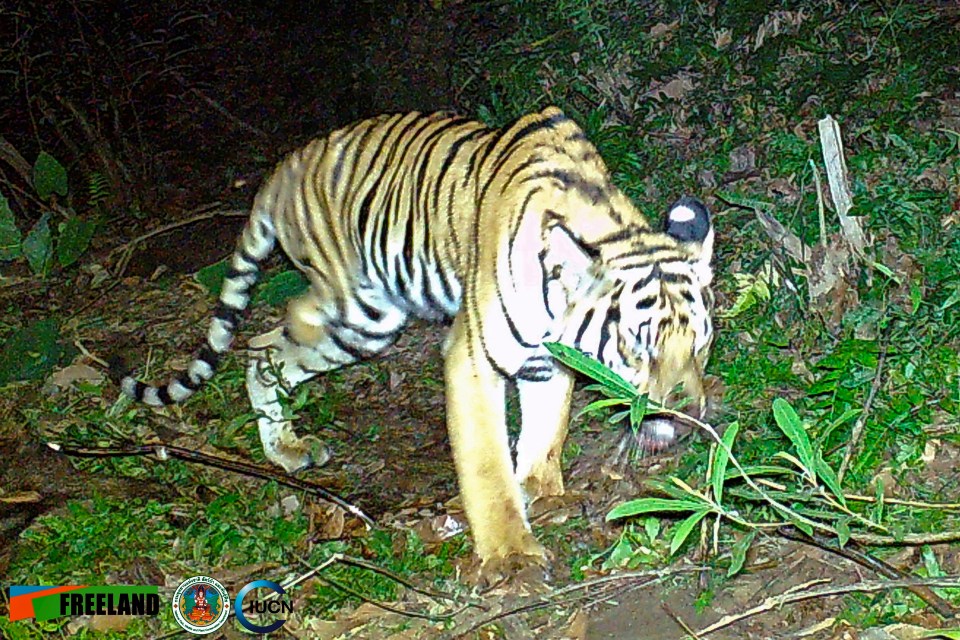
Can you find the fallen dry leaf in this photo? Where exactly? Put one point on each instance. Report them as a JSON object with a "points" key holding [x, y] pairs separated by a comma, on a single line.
{"points": [[661, 29], [829, 281], [438, 528], [722, 39], [776, 23], [784, 188], [290, 505], [905, 268], [326, 521], [577, 626], [743, 159], [65, 377], [322, 629], [707, 179], [886, 481], [799, 369], [905, 632], [675, 89], [934, 178], [21, 497], [395, 379]]}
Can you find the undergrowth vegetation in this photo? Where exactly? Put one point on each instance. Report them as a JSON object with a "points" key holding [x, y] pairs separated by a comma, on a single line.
{"points": [[854, 397], [838, 416]]}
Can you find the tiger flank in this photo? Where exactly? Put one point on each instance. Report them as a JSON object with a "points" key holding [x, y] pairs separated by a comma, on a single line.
{"points": [[517, 235]]}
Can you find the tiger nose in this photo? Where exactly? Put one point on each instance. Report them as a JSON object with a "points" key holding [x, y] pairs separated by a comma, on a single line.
{"points": [[693, 406], [694, 409]]}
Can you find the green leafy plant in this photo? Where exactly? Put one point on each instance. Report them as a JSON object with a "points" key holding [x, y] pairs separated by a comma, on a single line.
{"points": [[98, 189], [49, 176], [275, 290], [752, 289], [798, 487], [31, 353], [67, 242], [609, 383]]}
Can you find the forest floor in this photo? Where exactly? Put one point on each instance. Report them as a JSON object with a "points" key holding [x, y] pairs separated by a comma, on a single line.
{"points": [[889, 354]]}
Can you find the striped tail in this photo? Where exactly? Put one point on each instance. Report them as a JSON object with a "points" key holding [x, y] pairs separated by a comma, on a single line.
{"points": [[256, 243]]}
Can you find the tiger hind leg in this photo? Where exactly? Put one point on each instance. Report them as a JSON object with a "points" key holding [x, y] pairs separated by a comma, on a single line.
{"points": [[544, 415], [276, 355], [287, 356]]}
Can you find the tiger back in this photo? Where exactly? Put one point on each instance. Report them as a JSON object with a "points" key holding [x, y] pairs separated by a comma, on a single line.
{"points": [[516, 234]]}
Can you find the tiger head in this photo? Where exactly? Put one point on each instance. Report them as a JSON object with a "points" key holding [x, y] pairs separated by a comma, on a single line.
{"points": [[645, 312], [665, 330]]}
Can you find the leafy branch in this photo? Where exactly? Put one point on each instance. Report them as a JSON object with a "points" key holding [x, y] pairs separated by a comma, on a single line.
{"points": [[797, 488]]}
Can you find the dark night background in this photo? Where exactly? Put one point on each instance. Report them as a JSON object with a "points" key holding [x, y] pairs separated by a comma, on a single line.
{"points": [[173, 102]]}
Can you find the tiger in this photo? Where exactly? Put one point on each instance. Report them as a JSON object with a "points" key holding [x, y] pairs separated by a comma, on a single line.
{"points": [[515, 237]]}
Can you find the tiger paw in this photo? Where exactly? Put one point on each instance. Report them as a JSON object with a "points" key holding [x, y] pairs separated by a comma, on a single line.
{"points": [[517, 573], [519, 562]]}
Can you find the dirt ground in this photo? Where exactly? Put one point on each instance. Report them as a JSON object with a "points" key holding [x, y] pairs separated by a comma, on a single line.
{"points": [[404, 478]]}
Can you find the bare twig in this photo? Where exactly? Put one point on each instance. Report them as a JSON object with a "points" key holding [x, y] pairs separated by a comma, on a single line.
{"points": [[58, 122], [86, 353], [164, 451], [783, 237], [126, 250], [26, 196], [854, 554], [10, 155], [312, 570], [115, 170], [369, 566], [229, 116], [103, 292], [339, 558], [939, 506], [610, 586], [821, 209], [13, 157], [679, 621], [390, 608], [537, 603], [807, 591], [857, 432], [219, 108], [906, 540]]}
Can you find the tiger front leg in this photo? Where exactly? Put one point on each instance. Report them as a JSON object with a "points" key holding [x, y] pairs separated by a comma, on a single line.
{"points": [[476, 422], [544, 416], [275, 354]]}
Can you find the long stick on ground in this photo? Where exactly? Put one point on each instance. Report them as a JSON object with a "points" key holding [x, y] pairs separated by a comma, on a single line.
{"points": [[163, 451]]}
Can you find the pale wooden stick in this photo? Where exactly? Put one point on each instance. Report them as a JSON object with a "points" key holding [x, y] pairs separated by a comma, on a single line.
{"points": [[832, 147]]}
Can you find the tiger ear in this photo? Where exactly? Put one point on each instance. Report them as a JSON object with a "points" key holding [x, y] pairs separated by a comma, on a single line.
{"points": [[688, 221]]}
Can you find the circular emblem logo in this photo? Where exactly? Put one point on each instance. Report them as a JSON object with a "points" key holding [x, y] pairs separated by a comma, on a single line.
{"points": [[201, 605]]}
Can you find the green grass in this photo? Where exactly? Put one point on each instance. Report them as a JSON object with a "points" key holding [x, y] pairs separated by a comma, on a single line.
{"points": [[237, 527], [102, 534]]}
